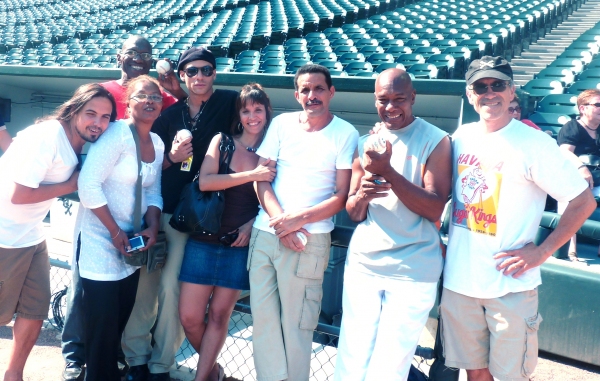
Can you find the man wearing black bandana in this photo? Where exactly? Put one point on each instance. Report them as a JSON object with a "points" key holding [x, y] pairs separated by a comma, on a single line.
{"points": [[205, 112]]}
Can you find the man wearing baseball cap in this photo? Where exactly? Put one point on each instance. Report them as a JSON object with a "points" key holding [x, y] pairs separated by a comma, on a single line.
{"points": [[503, 171], [205, 112]]}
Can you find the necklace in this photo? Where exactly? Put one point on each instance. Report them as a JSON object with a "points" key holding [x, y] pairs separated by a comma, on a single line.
{"points": [[189, 121], [586, 126], [251, 149]]}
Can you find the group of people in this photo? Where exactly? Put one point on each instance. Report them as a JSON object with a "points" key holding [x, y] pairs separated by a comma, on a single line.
{"points": [[287, 177]]}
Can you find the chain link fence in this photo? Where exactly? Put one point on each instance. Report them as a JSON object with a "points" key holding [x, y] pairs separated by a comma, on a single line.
{"points": [[236, 356]]}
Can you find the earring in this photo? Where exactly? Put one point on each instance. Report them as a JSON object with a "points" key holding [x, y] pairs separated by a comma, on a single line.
{"points": [[240, 127]]}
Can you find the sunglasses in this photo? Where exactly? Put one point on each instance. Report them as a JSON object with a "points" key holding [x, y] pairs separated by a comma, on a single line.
{"points": [[593, 104], [151, 97], [133, 54], [512, 110], [482, 88], [192, 71]]}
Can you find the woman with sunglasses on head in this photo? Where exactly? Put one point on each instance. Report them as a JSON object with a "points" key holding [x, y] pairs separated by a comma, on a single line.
{"points": [[107, 189], [514, 109], [214, 272], [580, 136]]}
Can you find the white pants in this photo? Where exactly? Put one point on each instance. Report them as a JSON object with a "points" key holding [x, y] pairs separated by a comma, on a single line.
{"points": [[381, 325]]}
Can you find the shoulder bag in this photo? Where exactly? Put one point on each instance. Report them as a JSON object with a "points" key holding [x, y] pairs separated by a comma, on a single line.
{"points": [[198, 212], [156, 256]]}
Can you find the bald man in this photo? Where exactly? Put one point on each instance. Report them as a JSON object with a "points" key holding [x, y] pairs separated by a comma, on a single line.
{"points": [[394, 258]]}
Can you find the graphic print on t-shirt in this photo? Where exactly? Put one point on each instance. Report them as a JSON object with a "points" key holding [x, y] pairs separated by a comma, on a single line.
{"points": [[476, 195]]}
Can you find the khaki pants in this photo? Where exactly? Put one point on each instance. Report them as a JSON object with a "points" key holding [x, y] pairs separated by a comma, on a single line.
{"points": [[285, 296], [157, 300]]}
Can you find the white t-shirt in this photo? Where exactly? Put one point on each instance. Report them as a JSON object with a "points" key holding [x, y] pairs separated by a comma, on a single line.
{"points": [[306, 164], [108, 177], [500, 182], [394, 241], [40, 154]]}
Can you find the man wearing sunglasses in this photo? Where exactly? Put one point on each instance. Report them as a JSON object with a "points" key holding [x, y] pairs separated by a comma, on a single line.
{"points": [[502, 172], [135, 59], [204, 112]]}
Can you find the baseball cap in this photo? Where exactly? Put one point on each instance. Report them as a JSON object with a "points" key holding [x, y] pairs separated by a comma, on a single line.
{"points": [[489, 67], [196, 54]]}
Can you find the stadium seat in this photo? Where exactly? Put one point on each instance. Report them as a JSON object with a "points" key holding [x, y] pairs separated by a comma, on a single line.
{"points": [[549, 122], [345, 49], [246, 69], [587, 84], [246, 62], [353, 68], [566, 76], [574, 64], [428, 71], [293, 66], [347, 58], [271, 48], [370, 49], [297, 55], [385, 66], [324, 56], [559, 104], [272, 66], [225, 63], [397, 51], [320, 49], [427, 51], [410, 59], [454, 70], [584, 55], [271, 55], [539, 88], [380, 58], [248, 54], [332, 65], [589, 74]]}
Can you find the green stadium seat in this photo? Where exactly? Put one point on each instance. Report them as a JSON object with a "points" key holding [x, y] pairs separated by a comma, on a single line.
{"points": [[574, 64], [332, 65], [566, 76], [380, 58], [298, 55], [273, 54], [324, 56], [559, 104], [293, 66], [272, 66], [225, 63], [353, 68], [549, 121], [428, 71], [539, 88], [410, 59], [385, 66], [587, 84], [320, 49], [397, 51], [589, 74]]}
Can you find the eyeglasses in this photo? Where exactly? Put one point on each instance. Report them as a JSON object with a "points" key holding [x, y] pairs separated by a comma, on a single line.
{"points": [[133, 54], [593, 104], [482, 88], [512, 110], [151, 97], [206, 71]]}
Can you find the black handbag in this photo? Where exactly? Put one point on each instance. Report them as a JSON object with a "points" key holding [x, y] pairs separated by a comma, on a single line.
{"points": [[156, 256], [198, 212]]}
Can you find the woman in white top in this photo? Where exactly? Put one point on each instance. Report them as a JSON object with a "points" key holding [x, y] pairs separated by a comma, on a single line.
{"points": [[107, 192]]}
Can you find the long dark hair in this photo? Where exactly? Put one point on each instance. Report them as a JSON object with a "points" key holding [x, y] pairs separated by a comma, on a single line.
{"points": [[253, 93], [82, 95]]}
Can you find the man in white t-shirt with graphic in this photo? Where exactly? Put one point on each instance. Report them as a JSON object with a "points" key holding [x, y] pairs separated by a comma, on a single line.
{"points": [[502, 172], [395, 257], [289, 247], [39, 166]]}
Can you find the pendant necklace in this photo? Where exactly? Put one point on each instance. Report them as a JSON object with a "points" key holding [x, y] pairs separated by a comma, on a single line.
{"points": [[192, 122]]}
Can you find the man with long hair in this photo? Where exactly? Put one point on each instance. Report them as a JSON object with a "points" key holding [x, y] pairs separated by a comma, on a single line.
{"points": [[40, 165]]}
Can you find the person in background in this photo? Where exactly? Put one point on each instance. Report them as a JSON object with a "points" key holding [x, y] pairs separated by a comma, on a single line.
{"points": [[5, 138], [107, 189], [204, 113], [581, 138], [213, 271], [514, 109], [40, 165]]}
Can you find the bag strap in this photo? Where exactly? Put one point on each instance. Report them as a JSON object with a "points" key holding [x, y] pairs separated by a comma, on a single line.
{"points": [[226, 149], [137, 210]]}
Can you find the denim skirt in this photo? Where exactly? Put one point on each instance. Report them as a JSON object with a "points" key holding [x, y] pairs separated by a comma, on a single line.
{"points": [[215, 265]]}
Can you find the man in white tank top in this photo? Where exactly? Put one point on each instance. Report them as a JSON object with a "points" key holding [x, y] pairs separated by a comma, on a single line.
{"points": [[394, 258]]}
